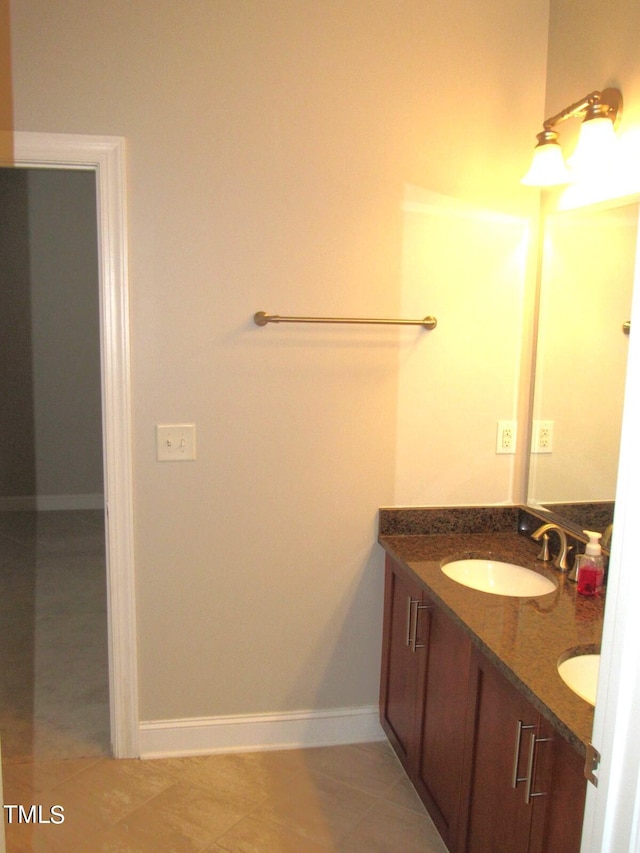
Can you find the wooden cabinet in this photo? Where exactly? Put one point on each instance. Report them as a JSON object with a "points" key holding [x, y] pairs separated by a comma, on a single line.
{"points": [[425, 658], [525, 784], [440, 765], [507, 769], [492, 772], [564, 806], [402, 677]]}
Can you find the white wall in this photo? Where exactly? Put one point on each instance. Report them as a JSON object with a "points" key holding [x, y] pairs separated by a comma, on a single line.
{"points": [[472, 265], [270, 148]]}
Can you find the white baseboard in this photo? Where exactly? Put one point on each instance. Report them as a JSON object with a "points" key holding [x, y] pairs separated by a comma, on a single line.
{"points": [[29, 503], [208, 735]]}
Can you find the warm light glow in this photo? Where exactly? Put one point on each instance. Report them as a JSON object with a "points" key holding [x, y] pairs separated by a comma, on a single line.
{"points": [[547, 167], [595, 157], [596, 148]]}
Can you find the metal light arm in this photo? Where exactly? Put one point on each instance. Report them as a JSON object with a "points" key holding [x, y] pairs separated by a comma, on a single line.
{"points": [[605, 104]]}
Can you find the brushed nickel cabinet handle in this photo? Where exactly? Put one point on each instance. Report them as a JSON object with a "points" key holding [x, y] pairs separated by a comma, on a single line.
{"points": [[520, 727], [529, 793], [412, 636], [409, 614]]}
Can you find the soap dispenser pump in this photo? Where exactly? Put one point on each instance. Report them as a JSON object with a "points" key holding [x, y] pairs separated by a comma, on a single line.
{"points": [[590, 566]]}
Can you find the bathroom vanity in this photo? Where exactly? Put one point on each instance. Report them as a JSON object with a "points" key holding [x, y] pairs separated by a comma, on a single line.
{"points": [[471, 700]]}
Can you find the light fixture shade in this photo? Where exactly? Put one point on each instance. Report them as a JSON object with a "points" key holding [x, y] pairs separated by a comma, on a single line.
{"points": [[596, 147], [547, 168], [595, 154]]}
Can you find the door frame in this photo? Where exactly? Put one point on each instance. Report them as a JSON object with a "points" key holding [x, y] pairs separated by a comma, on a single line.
{"points": [[612, 814], [105, 155]]}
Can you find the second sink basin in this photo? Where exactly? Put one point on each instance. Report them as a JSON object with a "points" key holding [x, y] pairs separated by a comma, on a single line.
{"points": [[580, 673], [498, 578]]}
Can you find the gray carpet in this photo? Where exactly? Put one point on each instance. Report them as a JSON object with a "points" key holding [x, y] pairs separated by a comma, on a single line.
{"points": [[54, 700]]}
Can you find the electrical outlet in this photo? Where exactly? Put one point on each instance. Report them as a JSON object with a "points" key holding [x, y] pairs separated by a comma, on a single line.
{"points": [[506, 441], [175, 442], [542, 437]]}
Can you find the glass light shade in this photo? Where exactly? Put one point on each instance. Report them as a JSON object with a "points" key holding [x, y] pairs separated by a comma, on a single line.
{"points": [[596, 147], [547, 168]]}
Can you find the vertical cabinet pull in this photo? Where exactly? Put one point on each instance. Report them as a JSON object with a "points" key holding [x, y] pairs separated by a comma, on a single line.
{"points": [[520, 727], [409, 614], [529, 793], [413, 606]]}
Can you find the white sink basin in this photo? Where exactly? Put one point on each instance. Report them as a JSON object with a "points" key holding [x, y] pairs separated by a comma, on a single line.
{"points": [[580, 673], [498, 578]]}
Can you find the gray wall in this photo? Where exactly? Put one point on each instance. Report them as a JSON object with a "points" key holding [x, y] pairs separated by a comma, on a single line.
{"points": [[50, 366], [17, 451]]}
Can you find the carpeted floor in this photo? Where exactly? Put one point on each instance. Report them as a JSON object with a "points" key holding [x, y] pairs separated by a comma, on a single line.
{"points": [[54, 701]]}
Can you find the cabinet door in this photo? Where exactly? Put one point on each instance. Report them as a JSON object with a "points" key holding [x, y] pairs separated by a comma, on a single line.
{"points": [[440, 768], [402, 676], [561, 826], [501, 724]]}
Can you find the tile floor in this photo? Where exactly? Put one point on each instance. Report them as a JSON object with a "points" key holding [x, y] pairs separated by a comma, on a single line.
{"points": [[54, 728], [351, 799]]}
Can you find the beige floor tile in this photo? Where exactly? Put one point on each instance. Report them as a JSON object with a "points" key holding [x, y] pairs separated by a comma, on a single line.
{"points": [[109, 789], [78, 834], [185, 817], [19, 839], [403, 794], [252, 835], [390, 829], [370, 767], [16, 726], [235, 775], [314, 806], [94, 839], [24, 780]]}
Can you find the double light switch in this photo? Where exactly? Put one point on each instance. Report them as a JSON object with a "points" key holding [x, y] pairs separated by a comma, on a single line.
{"points": [[175, 442]]}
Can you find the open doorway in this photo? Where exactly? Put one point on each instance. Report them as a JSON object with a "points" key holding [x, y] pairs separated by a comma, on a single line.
{"points": [[54, 697], [103, 159]]}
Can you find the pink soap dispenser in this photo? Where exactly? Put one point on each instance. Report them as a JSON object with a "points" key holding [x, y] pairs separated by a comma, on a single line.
{"points": [[590, 566]]}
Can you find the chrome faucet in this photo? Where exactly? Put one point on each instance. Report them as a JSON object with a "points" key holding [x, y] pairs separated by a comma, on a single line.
{"points": [[560, 560], [606, 536]]}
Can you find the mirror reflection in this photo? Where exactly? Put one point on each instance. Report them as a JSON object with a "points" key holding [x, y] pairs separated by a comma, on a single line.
{"points": [[587, 275]]}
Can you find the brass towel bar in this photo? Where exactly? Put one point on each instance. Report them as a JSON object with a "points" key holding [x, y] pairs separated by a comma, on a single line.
{"points": [[261, 318]]}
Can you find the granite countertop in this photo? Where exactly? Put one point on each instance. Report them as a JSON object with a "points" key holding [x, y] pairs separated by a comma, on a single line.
{"points": [[524, 637]]}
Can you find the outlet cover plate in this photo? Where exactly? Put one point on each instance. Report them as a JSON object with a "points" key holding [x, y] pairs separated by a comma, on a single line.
{"points": [[506, 438], [542, 440]]}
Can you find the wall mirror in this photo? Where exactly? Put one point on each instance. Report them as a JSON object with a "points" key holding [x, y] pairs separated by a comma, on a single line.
{"points": [[588, 268]]}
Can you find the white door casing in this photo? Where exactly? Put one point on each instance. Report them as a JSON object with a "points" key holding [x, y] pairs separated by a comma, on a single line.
{"points": [[105, 155]]}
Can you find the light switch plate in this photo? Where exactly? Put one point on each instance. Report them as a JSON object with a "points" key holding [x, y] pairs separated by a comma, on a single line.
{"points": [[175, 442]]}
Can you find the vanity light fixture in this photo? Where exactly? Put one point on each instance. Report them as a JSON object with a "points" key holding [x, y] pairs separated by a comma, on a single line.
{"points": [[600, 113]]}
